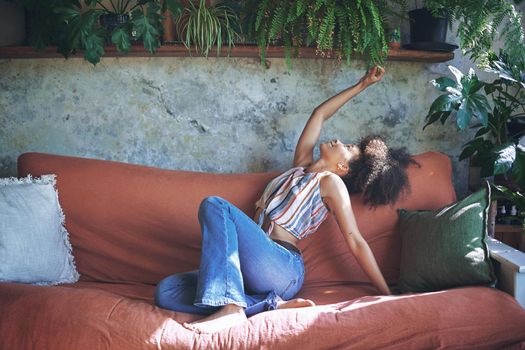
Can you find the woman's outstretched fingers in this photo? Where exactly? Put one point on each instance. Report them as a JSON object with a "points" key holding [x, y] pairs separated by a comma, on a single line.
{"points": [[380, 71], [374, 75]]}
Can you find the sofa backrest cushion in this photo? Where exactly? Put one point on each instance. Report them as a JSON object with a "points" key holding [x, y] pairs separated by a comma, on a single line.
{"points": [[137, 224]]}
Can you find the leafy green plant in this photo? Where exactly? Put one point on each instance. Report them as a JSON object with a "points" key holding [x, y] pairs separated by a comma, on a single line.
{"points": [[493, 147], [44, 24], [480, 23], [395, 36], [205, 26], [344, 27], [76, 25]]}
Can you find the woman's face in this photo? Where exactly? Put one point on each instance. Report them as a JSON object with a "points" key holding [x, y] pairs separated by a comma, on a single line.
{"points": [[335, 152]]}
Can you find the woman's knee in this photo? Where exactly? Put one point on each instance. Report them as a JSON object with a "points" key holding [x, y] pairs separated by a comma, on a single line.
{"points": [[211, 202]]}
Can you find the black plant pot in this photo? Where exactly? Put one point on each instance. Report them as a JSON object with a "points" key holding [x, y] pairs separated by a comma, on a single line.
{"points": [[110, 21], [428, 32], [516, 127]]}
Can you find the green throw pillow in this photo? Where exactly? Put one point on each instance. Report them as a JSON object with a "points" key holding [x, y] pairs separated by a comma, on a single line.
{"points": [[446, 248]]}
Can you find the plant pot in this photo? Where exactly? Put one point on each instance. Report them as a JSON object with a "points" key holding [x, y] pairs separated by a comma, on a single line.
{"points": [[394, 45], [425, 27], [516, 127], [428, 32], [12, 23], [168, 26], [110, 21]]}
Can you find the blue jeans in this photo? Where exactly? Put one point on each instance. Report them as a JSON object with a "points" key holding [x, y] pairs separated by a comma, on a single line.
{"points": [[239, 265]]}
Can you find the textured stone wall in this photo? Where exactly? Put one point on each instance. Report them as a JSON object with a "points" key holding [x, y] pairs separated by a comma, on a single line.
{"points": [[219, 115]]}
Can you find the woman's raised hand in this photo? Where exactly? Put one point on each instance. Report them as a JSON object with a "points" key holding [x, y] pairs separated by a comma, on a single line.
{"points": [[373, 76]]}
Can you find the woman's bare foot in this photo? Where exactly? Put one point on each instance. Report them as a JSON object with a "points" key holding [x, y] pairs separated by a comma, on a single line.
{"points": [[293, 303], [228, 316]]}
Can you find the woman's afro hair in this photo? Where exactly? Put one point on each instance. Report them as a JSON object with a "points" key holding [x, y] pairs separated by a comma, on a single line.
{"points": [[379, 173]]}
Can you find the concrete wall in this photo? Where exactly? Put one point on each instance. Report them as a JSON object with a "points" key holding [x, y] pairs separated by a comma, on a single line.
{"points": [[220, 115]]}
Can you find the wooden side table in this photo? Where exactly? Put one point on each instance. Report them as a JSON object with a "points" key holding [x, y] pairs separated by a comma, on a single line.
{"points": [[512, 235]]}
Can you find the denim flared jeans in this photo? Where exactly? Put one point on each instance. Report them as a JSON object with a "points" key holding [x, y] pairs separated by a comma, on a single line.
{"points": [[239, 265]]}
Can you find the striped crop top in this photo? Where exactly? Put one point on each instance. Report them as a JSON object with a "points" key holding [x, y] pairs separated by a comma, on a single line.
{"points": [[293, 201]]}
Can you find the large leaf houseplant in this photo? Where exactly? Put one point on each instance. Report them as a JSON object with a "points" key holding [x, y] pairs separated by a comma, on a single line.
{"points": [[496, 111]]}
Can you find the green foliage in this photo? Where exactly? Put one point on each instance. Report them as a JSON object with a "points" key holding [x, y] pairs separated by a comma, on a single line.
{"points": [[75, 26], [206, 26], [338, 27], [480, 23], [45, 26], [466, 98], [463, 96]]}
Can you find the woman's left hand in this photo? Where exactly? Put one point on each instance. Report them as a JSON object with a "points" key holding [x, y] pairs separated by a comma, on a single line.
{"points": [[373, 76]]}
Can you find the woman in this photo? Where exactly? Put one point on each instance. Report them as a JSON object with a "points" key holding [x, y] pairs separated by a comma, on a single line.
{"points": [[248, 267]]}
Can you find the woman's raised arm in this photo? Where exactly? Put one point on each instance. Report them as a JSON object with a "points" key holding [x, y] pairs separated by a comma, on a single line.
{"points": [[312, 130]]}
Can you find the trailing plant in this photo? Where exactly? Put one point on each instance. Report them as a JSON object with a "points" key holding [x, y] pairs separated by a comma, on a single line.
{"points": [[480, 23], [203, 26], [44, 24], [495, 146], [79, 28], [343, 26]]}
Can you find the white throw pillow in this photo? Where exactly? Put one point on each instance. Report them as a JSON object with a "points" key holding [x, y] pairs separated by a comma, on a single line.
{"points": [[34, 244]]}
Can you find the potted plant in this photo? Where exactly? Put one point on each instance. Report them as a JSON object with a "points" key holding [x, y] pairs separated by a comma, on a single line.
{"points": [[464, 97], [428, 30], [498, 146], [395, 39], [203, 26], [495, 148], [74, 26]]}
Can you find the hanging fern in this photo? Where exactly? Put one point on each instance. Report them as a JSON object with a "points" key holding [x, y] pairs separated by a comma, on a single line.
{"points": [[278, 22], [343, 27], [480, 23]]}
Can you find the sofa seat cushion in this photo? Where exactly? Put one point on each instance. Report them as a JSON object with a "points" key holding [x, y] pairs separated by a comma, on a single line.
{"points": [[116, 316]]}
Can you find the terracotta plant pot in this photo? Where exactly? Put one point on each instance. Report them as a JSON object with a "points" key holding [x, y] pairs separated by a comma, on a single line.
{"points": [[394, 45]]}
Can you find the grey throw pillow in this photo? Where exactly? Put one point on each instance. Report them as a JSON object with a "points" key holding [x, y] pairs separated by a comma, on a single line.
{"points": [[34, 244]]}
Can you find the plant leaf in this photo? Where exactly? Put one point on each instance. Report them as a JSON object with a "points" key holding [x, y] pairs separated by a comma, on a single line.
{"points": [[432, 118], [505, 156], [444, 103], [463, 115], [518, 168], [146, 28], [94, 46], [480, 106], [457, 73], [121, 38], [443, 83], [175, 7]]}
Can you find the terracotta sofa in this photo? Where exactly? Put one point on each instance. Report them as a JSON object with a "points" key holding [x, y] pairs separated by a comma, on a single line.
{"points": [[132, 225]]}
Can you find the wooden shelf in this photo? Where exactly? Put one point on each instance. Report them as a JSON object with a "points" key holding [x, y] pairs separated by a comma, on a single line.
{"points": [[512, 235], [178, 50], [509, 228]]}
